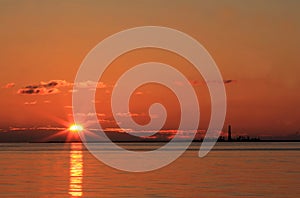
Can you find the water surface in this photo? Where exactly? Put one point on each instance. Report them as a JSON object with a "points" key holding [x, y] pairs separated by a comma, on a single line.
{"points": [[230, 170]]}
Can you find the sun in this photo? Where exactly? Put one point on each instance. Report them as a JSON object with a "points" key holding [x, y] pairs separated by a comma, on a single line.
{"points": [[76, 128]]}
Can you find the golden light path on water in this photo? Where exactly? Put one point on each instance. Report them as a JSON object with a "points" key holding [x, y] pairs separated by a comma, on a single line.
{"points": [[76, 170]]}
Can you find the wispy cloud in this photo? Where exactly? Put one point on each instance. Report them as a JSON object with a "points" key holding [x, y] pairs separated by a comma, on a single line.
{"points": [[87, 118], [163, 134], [130, 114], [11, 128], [91, 84], [18, 128], [90, 114], [31, 103], [119, 130], [9, 85]]}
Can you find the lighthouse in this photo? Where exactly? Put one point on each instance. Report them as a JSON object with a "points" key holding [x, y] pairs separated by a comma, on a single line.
{"points": [[229, 133]]}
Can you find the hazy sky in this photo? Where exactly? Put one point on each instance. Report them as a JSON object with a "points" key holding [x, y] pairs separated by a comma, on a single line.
{"points": [[255, 43]]}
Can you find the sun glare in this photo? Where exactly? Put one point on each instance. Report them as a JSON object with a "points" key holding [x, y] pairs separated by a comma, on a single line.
{"points": [[75, 128]]}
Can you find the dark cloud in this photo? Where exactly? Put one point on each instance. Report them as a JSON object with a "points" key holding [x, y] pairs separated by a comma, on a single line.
{"points": [[228, 81], [200, 83], [44, 88], [52, 87]]}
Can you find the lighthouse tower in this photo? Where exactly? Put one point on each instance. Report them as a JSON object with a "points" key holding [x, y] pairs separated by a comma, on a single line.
{"points": [[229, 133]]}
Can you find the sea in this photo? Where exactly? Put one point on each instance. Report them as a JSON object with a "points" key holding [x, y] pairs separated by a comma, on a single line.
{"points": [[231, 169]]}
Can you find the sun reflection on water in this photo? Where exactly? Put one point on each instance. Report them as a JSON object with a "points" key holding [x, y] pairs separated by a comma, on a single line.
{"points": [[76, 170]]}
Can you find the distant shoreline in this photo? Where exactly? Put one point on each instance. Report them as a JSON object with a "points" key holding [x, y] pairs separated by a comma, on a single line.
{"points": [[242, 141]]}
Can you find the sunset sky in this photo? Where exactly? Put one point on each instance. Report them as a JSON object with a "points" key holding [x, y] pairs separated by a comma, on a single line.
{"points": [[255, 44]]}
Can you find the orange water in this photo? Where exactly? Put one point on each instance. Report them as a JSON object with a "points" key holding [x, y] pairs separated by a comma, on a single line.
{"points": [[232, 169]]}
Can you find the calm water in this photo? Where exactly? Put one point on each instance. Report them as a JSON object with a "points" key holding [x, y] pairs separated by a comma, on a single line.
{"points": [[231, 169]]}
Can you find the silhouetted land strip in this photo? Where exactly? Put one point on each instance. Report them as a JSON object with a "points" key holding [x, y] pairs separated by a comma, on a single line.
{"points": [[152, 141]]}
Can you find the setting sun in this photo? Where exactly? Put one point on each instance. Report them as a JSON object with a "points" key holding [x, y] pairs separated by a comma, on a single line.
{"points": [[75, 128]]}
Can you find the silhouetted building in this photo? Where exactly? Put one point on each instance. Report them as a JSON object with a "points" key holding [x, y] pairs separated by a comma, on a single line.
{"points": [[229, 133]]}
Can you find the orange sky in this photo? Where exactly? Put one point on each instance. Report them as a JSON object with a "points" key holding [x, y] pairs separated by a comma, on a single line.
{"points": [[254, 43]]}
